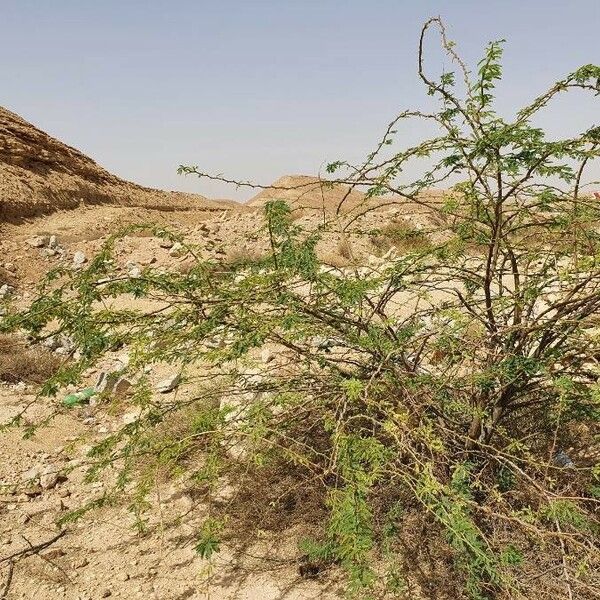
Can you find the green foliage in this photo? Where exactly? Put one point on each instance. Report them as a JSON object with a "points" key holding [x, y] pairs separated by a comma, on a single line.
{"points": [[209, 542], [566, 513], [435, 389]]}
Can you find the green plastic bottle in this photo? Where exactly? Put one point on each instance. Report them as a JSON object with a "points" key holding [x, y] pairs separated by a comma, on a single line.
{"points": [[79, 397]]}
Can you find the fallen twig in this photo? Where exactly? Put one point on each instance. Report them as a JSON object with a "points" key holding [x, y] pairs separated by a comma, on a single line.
{"points": [[32, 549], [6, 587]]}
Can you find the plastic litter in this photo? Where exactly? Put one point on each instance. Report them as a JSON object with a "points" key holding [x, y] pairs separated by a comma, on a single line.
{"points": [[79, 398], [562, 459]]}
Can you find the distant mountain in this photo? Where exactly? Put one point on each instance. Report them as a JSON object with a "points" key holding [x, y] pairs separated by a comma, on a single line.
{"points": [[304, 191]]}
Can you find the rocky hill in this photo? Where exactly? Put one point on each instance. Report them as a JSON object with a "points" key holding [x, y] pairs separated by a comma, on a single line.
{"points": [[39, 175], [304, 191]]}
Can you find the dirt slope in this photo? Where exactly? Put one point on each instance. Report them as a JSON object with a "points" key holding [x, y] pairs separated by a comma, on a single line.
{"points": [[304, 191], [309, 194], [39, 175]]}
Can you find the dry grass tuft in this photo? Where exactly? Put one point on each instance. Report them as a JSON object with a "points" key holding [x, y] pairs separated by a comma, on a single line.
{"points": [[400, 235], [244, 256], [340, 257], [345, 249], [334, 259], [20, 363]]}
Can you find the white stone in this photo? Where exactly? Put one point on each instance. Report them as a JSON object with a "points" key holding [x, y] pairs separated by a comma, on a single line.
{"points": [[49, 479], [129, 418], [52, 343], [391, 254], [106, 382], [32, 474], [66, 347], [122, 360], [169, 384], [177, 250], [266, 355], [79, 259]]}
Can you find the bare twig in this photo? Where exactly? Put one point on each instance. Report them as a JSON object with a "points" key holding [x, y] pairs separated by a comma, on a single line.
{"points": [[9, 576], [33, 548]]}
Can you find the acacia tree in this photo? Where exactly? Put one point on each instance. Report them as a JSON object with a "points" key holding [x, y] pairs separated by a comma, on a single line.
{"points": [[441, 388]]}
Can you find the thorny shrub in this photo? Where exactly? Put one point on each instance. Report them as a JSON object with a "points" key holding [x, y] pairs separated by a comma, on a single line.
{"points": [[442, 388]]}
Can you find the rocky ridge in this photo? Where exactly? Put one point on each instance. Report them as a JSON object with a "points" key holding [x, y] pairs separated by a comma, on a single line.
{"points": [[39, 175]]}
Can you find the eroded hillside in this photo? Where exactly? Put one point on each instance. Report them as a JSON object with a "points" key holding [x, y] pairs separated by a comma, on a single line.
{"points": [[40, 174]]}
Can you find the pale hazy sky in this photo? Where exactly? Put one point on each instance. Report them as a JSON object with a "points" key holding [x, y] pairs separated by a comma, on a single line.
{"points": [[258, 89]]}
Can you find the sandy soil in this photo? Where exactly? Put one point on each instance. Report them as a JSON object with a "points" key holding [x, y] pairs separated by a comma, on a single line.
{"points": [[103, 555], [56, 203]]}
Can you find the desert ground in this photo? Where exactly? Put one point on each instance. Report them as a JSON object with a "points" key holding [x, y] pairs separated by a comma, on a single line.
{"points": [[57, 207]]}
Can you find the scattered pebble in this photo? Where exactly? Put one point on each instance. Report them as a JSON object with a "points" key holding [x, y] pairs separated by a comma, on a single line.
{"points": [[122, 387], [38, 241], [5, 291]]}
